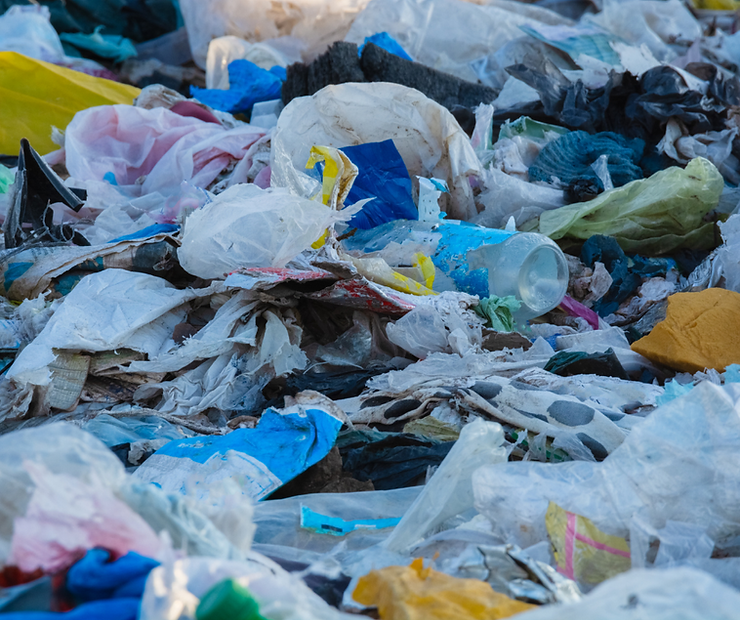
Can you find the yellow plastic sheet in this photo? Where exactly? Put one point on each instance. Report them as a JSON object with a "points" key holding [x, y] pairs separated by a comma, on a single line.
{"points": [[701, 330], [583, 552], [36, 96], [418, 593], [716, 5]]}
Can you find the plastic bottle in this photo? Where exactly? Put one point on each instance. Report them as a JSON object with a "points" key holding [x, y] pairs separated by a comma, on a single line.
{"points": [[476, 260], [228, 600]]}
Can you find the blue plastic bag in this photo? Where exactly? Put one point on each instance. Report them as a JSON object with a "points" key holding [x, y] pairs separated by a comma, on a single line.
{"points": [[382, 175], [387, 42], [248, 84]]}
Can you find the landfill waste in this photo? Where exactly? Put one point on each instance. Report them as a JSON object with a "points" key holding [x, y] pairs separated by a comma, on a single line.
{"points": [[369, 308]]}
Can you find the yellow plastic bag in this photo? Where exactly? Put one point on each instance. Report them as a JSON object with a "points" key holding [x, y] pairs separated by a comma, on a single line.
{"points": [[583, 552], [36, 96], [650, 216], [418, 593]]}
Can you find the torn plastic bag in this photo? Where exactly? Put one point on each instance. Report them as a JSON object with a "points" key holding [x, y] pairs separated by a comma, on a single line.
{"points": [[267, 54], [506, 196], [27, 273], [651, 216], [114, 47], [36, 187], [175, 589], [477, 29], [433, 145], [106, 311], [217, 526], [27, 88], [665, 594], [59, 486], [246, 226], [281, 446], [670, 467], [654, 24], [126, 143], [316, 24], [248, 84], [450, 491], [439, 324], [382, 175]]}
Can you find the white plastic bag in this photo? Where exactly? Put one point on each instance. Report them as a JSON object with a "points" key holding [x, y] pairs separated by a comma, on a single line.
{"points": [[427, 136], [450, 491], [448, 34], [246, 226], [316, 22], [677, 594], [680, 464]]}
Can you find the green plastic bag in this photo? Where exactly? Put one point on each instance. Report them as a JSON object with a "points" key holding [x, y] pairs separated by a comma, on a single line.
{"points": [[651, 216]]}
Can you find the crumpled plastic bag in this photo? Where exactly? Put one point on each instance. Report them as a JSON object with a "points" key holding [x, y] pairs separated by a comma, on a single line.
{"points": [[417, 593], [246, 226], [449, 34], [146, 151], [315, 22], [651, 216], [671, 467], [30, 95], [432, 144], [683, 593]]}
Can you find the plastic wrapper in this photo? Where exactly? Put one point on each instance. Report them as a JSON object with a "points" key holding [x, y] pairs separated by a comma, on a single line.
{"points": [[657, 475], [431, 145], [246, 226], [651, 216]]}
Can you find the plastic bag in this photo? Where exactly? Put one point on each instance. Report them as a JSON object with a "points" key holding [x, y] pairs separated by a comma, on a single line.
{"points": [[174, 590], [418, 593], [315, 22], [683, 593], [426, 29], [224, 50], [432, 144], [450, 491], [670, 467], [246, 226], [651, 216], [153, 150], [30, 93]]}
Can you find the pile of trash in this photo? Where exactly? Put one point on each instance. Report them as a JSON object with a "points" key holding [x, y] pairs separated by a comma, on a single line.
{"points": [[401, 309]]}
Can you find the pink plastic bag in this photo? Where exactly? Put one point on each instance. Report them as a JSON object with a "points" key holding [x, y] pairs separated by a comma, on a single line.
{"points": [[151, 150]]}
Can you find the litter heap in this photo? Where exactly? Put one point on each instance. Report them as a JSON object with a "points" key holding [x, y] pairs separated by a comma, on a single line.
{"points": [[401, 309]]}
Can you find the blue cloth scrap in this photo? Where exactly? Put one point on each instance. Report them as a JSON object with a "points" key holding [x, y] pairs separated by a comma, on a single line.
{"points": [[387, 42], [384, 177], [248, 84], [94, 577]]}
